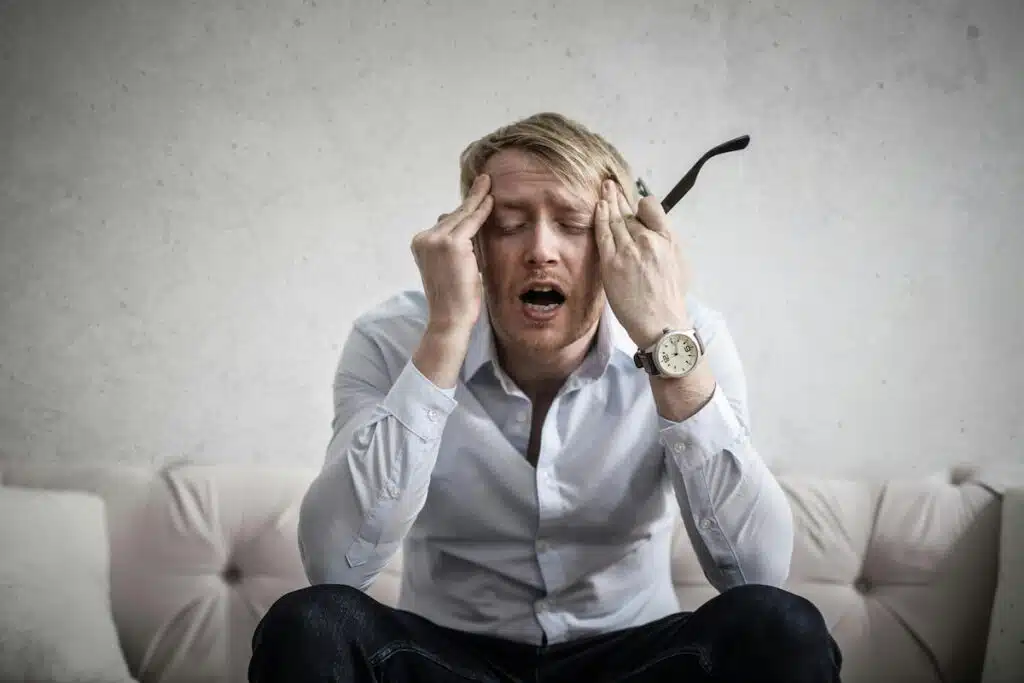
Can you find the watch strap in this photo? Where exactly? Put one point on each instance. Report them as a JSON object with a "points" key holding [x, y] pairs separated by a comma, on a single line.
{"points": [[645, 361], [644, 358]]}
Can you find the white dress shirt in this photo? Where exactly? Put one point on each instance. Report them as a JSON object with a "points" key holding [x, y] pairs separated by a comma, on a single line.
{"points": [[578, 545]]}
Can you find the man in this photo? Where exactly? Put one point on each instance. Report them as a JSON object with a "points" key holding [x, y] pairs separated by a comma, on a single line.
{"points": [[498, 427]]}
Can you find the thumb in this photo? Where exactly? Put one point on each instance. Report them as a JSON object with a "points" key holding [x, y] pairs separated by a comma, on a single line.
{"points": [[652, 215]]}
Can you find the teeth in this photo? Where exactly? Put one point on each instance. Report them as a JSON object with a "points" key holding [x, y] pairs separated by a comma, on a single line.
{"points": [[545, 307]]}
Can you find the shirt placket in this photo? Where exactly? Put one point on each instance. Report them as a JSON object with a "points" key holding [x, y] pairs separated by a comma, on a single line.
{"points": [[550, 508]]}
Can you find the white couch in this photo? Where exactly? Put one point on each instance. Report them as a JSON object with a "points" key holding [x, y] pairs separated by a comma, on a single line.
{"points": [[905, 572]]}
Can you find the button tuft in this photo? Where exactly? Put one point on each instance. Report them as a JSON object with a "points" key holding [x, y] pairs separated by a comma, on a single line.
{"points": [[231, 574]]}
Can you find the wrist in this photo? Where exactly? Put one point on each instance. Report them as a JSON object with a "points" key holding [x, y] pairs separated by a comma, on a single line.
{"points": [[440, 354], [448, 335], [680, 398], [650, 332]]}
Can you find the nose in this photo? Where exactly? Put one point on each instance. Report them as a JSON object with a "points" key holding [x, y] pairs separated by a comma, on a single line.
{"points": [[542, 248]]}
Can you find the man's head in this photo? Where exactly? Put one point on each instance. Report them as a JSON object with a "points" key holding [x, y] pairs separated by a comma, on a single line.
{"points": [[546, 172]]}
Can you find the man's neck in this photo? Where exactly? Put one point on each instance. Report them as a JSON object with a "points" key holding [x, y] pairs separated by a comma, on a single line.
{"points": [[541, 374]]}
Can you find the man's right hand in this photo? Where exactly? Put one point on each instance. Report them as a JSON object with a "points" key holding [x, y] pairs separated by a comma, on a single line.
{"points": [[448, 268], [451, 283]]}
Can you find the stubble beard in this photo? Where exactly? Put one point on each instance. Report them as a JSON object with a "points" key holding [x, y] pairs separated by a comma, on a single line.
{"points": [[547, 339]]}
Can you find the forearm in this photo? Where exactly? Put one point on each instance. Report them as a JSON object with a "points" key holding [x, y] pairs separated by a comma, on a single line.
{"points": [[377, 472]]}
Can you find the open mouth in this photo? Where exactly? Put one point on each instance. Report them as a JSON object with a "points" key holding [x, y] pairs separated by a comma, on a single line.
{"points": [[542, 298]]}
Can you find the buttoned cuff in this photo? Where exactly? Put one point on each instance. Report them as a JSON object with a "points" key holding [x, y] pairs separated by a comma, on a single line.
{"points": [[709, 431], [420, 405]]}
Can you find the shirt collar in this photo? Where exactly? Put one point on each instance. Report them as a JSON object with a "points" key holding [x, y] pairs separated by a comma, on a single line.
{"points": [[612, 339]]}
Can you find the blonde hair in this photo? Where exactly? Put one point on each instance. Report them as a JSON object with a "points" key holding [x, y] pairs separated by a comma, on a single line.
{"points": [[577, 156]]}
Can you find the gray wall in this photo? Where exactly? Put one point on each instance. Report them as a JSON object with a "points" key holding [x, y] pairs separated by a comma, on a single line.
{"points": [[197, 198]]}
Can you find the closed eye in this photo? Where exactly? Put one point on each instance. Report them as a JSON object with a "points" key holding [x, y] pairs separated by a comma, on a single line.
{"points": [[572, 228], [576, 229]]}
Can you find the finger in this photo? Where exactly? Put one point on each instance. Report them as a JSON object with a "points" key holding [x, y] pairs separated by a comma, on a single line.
{"points": [[480, 189], [616, 222], [469, 226], [603, 231], [652, 215], [633, 224]]}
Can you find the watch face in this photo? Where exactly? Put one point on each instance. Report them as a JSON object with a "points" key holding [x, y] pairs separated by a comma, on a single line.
{"points": [[676, 354]]}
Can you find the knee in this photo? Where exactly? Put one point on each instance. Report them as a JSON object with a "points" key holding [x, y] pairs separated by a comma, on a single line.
{"points": [[785, 617], [312, 610], [764, 633], [303, 634], [783, 634]]}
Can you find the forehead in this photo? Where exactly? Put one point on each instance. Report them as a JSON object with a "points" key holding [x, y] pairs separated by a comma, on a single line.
{"points": [[519, 180]]}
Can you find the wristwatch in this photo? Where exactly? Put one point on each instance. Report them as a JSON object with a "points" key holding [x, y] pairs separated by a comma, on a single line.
{"points": [[675, 354]]}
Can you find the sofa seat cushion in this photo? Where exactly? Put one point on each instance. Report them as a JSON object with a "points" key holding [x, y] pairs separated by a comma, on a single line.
{"points": [[56, 623]]}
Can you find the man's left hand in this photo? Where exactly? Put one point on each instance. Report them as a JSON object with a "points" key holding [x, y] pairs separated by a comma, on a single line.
{"points": [[644, 272]]}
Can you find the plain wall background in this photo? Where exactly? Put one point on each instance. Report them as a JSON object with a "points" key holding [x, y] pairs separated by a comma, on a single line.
{"points": [[196, 199]]}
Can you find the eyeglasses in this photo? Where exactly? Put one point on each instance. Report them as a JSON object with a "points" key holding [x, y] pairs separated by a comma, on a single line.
{"points": [[688, 180]]}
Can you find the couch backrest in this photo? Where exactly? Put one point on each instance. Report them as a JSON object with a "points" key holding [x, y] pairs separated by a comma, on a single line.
{"points": [[904, 572]]}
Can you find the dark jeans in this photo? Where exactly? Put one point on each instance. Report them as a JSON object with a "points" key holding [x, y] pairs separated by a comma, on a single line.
{"points": [[750, 633]]}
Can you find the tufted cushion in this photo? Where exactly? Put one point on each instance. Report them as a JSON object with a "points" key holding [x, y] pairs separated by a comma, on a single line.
{"points": [[211, 549], [904, 573]]}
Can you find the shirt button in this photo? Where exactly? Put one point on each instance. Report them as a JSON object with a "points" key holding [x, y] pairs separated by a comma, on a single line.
{"points": [[706, 523], [678, 447], [432, 415], [522, 416]]}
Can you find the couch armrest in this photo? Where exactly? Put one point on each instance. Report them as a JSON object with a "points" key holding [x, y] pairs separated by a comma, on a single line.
{"points": [[1004, 654]]}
